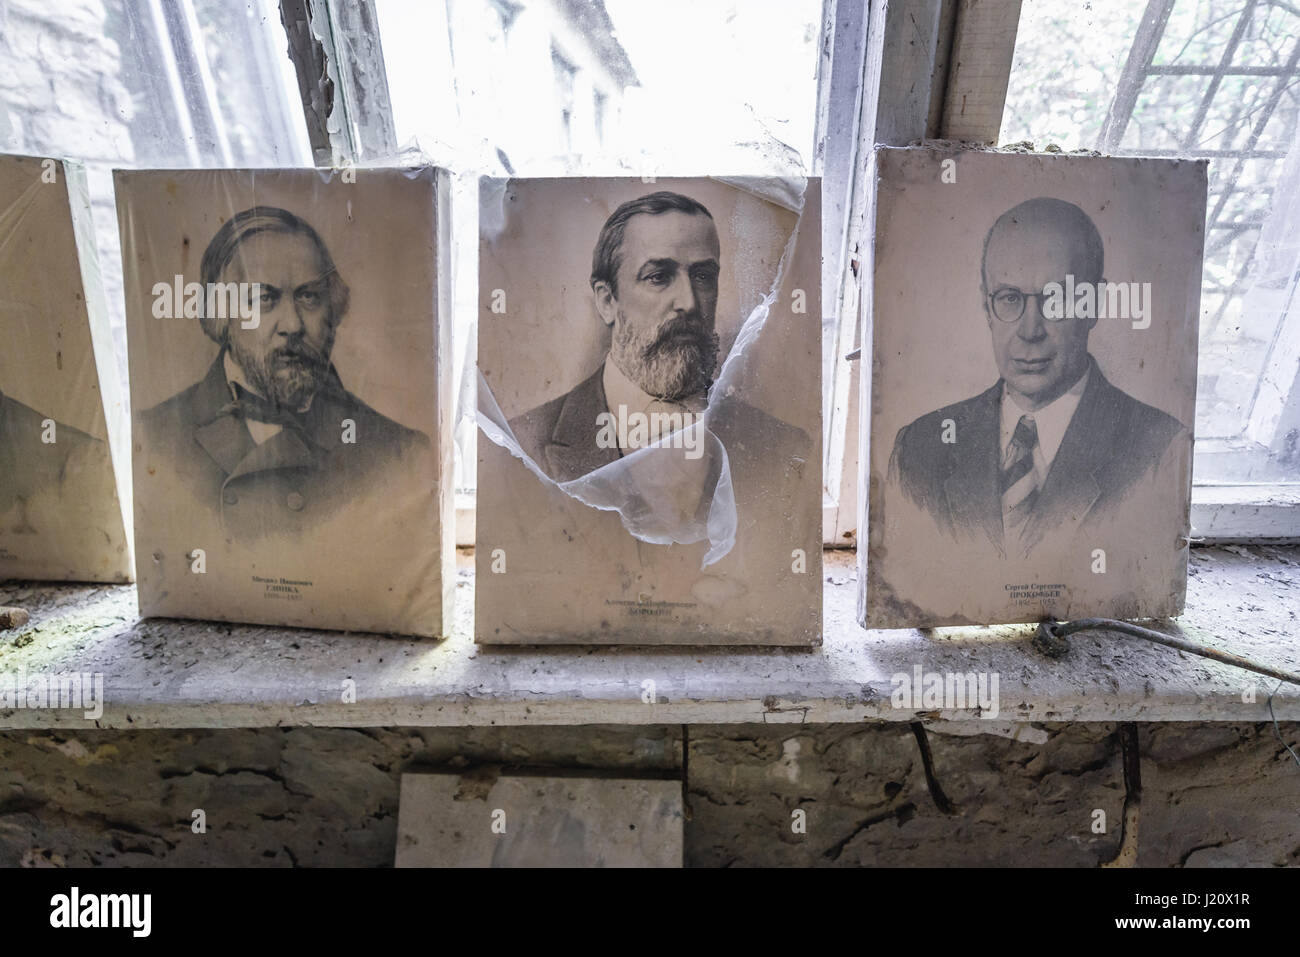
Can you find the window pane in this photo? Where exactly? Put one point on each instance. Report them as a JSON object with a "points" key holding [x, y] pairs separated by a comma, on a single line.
{"points": [[1212, 78], [1059, 89], [120, 83], [585, 87]]}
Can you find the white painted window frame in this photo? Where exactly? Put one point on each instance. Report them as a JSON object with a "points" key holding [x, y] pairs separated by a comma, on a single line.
{"points": [[911, 45], [889, 73]]}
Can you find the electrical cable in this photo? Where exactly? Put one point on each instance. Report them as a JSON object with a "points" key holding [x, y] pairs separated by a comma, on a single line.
{"points": [[1051, 635], [1050, 640]]}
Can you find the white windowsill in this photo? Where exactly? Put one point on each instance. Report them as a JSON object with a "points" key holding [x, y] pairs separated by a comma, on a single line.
{"points": [[1246, 513], [183, 674]]}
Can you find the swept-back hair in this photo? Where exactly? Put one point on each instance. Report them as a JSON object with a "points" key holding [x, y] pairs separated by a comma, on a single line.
{"points": [[605, 258], [250, 222]]}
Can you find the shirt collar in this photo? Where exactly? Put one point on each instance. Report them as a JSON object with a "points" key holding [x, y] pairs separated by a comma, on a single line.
{"points": [[260, 431], [622, 391], [1051, 420]]}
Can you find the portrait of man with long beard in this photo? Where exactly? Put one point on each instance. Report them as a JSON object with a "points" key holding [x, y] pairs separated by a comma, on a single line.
{"points": [[649, 463], [291, 394], [263, 438], [654, 276]]}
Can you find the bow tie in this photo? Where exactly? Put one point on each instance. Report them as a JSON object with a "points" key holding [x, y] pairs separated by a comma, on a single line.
{"points": [[250, 405]]}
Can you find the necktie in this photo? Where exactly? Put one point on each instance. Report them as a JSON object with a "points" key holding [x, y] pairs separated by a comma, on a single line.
{"points": [[1019, 484]]}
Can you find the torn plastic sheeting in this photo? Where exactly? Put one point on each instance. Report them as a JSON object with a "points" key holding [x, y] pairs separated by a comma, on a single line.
{"points": [[661, 496]]}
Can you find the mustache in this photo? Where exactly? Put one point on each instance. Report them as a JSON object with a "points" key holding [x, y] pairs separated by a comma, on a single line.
{"points": [[690, 326], [299, 350]]}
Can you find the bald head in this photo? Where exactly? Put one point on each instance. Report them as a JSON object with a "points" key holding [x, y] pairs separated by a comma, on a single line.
{"points": [[1038, 242], [1045, 230]]}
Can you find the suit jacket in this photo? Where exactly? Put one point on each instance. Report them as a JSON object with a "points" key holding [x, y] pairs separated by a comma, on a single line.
{"points": [[560, 435], [59, 513], [29, 466], [1111, 443], [291, 481]]}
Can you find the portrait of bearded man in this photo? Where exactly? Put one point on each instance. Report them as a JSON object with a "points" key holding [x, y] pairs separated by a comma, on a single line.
{"points": [[270, 439], [655, 276]]}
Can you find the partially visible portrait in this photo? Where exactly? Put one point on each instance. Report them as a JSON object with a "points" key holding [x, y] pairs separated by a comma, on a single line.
{"points": [[1050, 488], [287, 395], [61, 517], [618, 347]]}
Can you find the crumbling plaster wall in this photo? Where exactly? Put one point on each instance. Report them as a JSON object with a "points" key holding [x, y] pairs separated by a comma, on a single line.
{"points": [[1212, 793]]}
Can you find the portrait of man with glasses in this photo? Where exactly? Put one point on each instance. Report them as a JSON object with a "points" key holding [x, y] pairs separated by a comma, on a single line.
{"points": [[1053, 444]]}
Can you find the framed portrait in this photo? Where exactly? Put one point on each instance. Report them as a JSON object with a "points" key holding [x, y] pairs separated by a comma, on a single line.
{"points": [[291, 395], [1033, 387], [650, 453], [62, 421]]}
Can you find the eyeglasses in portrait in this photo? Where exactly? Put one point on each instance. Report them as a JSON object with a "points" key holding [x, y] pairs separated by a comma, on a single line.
{"points": [[1033, 386]]}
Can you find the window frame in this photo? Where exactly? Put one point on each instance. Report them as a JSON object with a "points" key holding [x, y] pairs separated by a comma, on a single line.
{"points": [[928, 69], [981, 43]]}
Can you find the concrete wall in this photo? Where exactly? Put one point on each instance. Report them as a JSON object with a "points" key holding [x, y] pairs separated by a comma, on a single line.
{"points": [[61, 91], [62, 94], [1212, 793]]}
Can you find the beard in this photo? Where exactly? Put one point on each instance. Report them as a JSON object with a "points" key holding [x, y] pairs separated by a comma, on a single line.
{"points": [[675, 361], [289, 375]]}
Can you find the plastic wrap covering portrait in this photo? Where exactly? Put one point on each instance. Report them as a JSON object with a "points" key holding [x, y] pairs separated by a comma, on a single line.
{"points": [[62, 421], [1033, 387], [289, 349], [649, 404]]}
